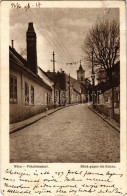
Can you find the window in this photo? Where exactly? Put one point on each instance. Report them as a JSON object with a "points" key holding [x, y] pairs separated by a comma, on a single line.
{"points": [[26, 93], [81, 78], [32, 95], [13, 89], [47, 99]]}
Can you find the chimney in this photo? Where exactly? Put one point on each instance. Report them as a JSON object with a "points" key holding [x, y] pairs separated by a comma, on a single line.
{"points": [[31, 49]]}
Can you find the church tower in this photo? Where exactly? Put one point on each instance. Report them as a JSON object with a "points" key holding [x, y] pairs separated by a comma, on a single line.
{"points": [[31, 48], [81, 74]]}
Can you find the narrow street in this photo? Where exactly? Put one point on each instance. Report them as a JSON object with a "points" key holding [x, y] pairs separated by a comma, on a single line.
{"points": [[73, 134]]}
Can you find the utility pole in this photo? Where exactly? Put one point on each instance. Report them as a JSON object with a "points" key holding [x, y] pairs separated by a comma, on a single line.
{"points": [[93, 79], [69, 90], [93, 76], [54, 78]]}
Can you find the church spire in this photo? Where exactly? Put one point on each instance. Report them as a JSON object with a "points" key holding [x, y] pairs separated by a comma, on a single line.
{"points": [[81, 73], [80, 67]]}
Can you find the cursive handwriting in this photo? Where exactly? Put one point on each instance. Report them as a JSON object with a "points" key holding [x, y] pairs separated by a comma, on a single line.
{"points": [[18, 6], [42, 181]]}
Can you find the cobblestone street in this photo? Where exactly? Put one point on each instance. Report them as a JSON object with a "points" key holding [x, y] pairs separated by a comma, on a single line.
{"points": [[73, 134]]}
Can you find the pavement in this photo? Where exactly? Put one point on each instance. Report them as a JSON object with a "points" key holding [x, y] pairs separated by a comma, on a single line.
{"points": [[22, 124], [107, 119], [74, 134]]}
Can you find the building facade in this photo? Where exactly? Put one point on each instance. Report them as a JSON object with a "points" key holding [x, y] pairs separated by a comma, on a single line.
{"points": [[29, 94], [70, 88], [109, 93]]}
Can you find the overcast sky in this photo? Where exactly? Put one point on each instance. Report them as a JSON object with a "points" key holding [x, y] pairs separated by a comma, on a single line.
{"points": [[60, 30]]}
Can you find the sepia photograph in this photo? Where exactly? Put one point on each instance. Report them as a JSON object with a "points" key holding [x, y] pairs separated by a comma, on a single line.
{"points": [[64, 84]]}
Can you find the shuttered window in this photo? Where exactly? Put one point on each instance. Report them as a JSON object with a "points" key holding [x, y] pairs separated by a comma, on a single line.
{"points": [[13, 89], [26, 93], [32, 95]]}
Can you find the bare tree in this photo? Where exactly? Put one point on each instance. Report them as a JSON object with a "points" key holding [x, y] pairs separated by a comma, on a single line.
{"points": [[103, 41]]}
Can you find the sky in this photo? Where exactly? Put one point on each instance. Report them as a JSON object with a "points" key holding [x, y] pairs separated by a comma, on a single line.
{"points": [[62, 30]]}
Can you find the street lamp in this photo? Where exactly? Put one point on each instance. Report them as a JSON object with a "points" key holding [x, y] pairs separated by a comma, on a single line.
{"points": [[93, 79]]}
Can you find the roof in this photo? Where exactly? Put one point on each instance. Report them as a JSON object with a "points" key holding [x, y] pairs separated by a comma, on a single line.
{"points": [[19, 61], [80, 68], [46, 74], [51, 76], [19, 57]]}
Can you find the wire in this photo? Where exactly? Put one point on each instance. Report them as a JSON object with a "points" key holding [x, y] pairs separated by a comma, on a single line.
{"points": [[74, 63], [58, 36], [52, 44], [59, 50]]}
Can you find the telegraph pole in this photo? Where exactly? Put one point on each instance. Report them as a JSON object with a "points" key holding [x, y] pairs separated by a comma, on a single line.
{"points": [[69, 91], [93, 76], [54, 78], [93, 80]]}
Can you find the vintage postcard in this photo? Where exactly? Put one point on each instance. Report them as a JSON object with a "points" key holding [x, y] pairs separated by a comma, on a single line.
{"points": [[63, 98]]}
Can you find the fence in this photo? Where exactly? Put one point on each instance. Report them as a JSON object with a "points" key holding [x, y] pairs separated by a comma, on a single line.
{"points": [[108, 112]]}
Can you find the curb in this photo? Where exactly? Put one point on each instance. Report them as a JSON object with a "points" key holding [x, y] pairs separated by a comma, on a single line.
{"points": [[110, 123], [34, 121]]}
